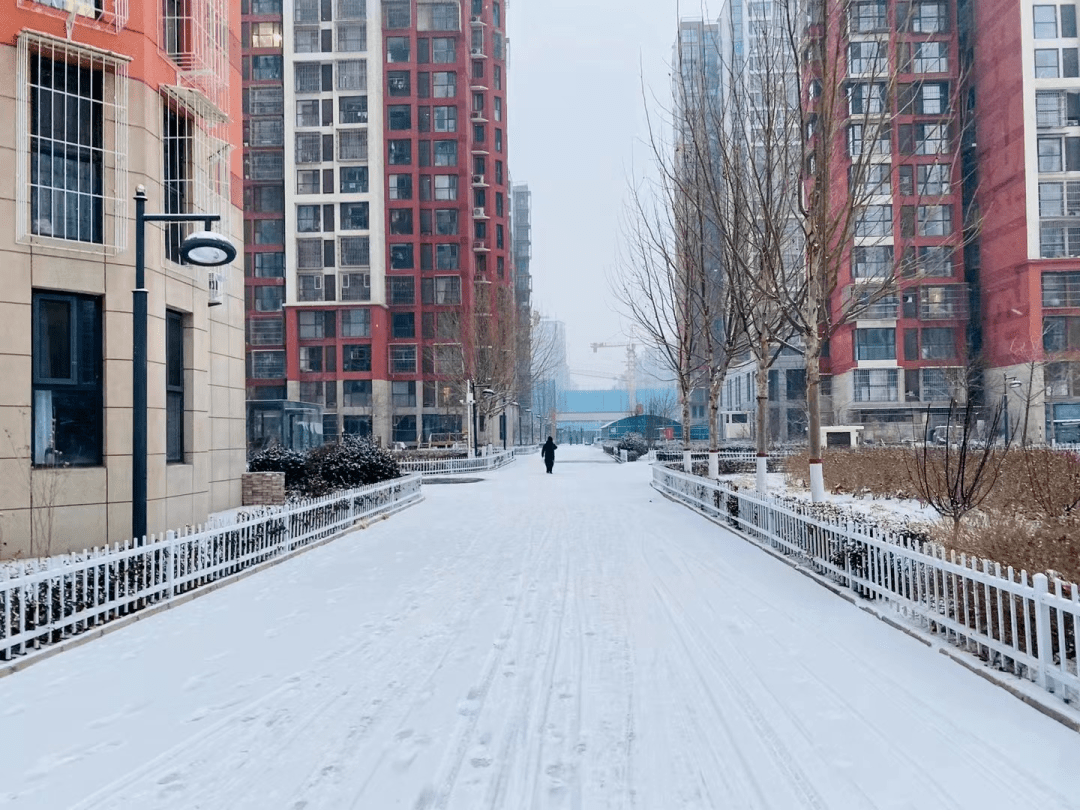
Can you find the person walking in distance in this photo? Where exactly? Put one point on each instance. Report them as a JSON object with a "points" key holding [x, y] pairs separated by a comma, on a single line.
{"points": [[548, 450]]}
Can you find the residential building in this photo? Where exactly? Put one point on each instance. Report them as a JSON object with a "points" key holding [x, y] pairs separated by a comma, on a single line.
{"points": [[391, 207], [102, 98], [1028, 157]]}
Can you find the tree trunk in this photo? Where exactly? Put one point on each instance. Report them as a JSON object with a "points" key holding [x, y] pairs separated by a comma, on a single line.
{"points": [[813, 418], [687, 462], [715, 387], [762, 417]]}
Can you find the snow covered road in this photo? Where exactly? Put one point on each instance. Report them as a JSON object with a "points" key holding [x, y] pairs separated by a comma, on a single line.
{"points": [[529, 641]]}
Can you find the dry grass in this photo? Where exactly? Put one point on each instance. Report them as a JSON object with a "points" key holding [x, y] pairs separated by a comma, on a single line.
{"points": [[1029, 521]]}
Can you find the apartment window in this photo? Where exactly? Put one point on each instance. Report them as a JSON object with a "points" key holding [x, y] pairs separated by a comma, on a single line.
{"points": [[1046, 25], [876, 180], [308, 113], [400, 186], [401, 290], [397, 49], [351, 9], [310, 286], [265, 132], [308, 147], [354, 179], [268, 231], [447, 257], [401, 221], [442, 51], [446, 222], [308, 218], [403, 361], [268, 298], [872, 261], [401, 257], [403, 325], [446, 187], [1050, 154], [928, 17], [874, 220], [445, 153], [312, 324], [867, 99], [353, 145], [353, 110], [935, 261], [866, 57], [355, 286], [354, 216], [930, 57], [352, 75], [265, 331], [868, 16], [305, 11], [306, 39], [396, 14], [399, 152], [356, 357], [356, 323], [355, 251], [1057, 239], [308, 77], [356, 394], [876, 385], [934, 220], [403, 394], [269, 265], [443, 84], [875, 344], [264, 166], [67, 376], [498, 140], [307, 181], [309, 254], [398, 83], [399, 117], [1054, 107], [858, 143], [311, 359], [267, 365], [267, 68], [445, 119], [265, 6], [265, 101], [937, 343], [352, 37]]}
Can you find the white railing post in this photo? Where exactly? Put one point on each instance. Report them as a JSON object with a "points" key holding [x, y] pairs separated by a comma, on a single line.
{"points": [[1042, 629], [170, 576]]}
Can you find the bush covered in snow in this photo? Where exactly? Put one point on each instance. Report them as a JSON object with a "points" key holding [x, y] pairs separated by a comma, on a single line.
{"points": [[634, 444], [276, 458], [352, 462]]}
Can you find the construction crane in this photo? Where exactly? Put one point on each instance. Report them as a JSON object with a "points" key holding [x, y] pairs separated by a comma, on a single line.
{"points": [[631, 367]]}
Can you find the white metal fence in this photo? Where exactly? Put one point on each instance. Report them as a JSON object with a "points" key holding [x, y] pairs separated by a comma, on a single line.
{"points": [[457, 466], [527, 450], [47, 600], [1020, 624]]}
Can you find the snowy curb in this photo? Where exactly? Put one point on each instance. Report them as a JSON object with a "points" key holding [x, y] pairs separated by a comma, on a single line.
{"points": [[119, 624], [1032, 697]]}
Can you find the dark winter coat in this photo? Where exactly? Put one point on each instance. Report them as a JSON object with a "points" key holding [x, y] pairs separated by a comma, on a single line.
{"points": [[548, 451]]}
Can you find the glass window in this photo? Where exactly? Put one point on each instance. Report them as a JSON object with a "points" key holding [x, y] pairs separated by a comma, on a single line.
{"points": [[403, 361], [352, 74], [401, 257], [352, 110], [398, 83], [937, 344], [355, 251], [353, 145], [872, 261], [399, 152], [351, 37], [307, 181], [354, 216], [357, 394], [308, 113], [935, 220], [400, 186], [875, 220], [1046, 26], [397, 49], [876, 385], [446, 257], [446, 187], [875, 344], [443, 84], [67, 380], [401, 290], [445, 153], [267, 68], [442, 51], [354, 179], [403, 325], [399, 117], [356, 357], [445, 119], [267, 365], [1046, 63]]}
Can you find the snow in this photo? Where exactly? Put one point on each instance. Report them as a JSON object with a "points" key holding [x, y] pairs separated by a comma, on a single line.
{"points": [[528, 641]]}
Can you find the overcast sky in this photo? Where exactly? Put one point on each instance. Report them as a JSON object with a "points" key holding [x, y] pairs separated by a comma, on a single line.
{"points": [[577, 128]]}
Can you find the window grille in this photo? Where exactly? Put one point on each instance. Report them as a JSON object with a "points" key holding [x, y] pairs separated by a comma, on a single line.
{"points": [[308, 147], [309, 254], [310, 286], [266, 100], [108, 15], [308, 77], [267, 365], [266, 332], [351, 37], [352, 144], [355, 251], [876, 385], [943, 302], [352, 74], [306, 11], [195, 35], [195, 158], [356, 287], [72, 144], [351, 9]]}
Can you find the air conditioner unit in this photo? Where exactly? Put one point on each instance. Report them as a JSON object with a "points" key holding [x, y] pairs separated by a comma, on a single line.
{"points": [[478, 212], [478, 115], [478, 179], [477, 51], [476, 19], [215, 288]]}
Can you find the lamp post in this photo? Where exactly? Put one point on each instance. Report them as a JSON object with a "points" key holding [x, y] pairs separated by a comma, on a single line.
{"points": [[1007, 383], [204, 249]]}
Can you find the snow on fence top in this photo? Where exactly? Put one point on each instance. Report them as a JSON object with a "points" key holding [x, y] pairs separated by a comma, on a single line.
{"points": [[458, 466], [47, 600], [1020, 624]]}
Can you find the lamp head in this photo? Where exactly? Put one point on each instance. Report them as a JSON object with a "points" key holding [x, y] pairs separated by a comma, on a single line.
{"points": [[207, 249]]}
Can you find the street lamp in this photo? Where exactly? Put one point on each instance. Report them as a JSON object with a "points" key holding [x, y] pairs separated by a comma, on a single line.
{"points": [[204, 249], [1008, 382]]}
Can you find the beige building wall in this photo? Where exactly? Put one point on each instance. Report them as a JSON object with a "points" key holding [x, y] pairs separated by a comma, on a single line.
{"points": [[50, 511]]}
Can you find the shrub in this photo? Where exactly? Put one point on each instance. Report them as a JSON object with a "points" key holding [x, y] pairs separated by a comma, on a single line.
{"points": [[276, 458], [634, 443], [353, 462]]}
